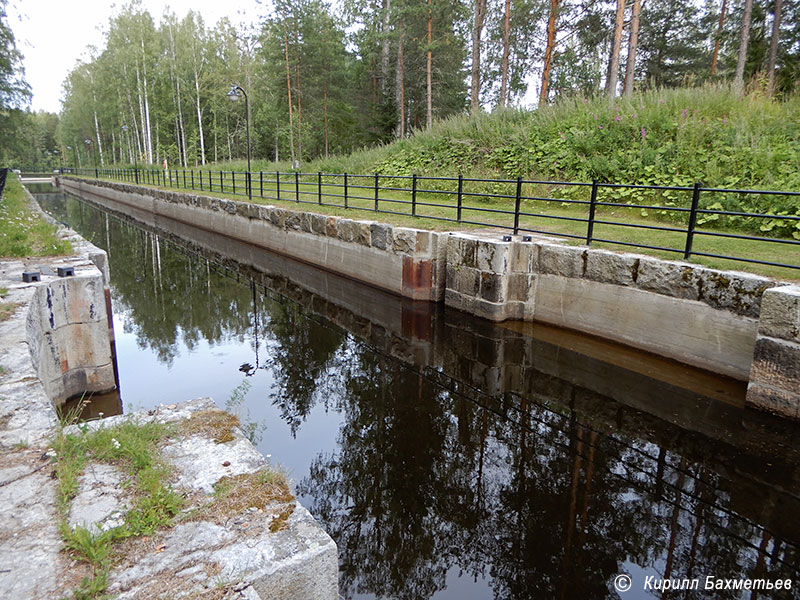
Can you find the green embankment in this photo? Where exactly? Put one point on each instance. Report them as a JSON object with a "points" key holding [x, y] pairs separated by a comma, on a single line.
{"points": [[22, 231], [663, 138]]}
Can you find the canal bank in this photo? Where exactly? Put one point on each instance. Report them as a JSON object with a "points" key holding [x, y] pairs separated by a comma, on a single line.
{"points": [[707, 318], [57, 343]]}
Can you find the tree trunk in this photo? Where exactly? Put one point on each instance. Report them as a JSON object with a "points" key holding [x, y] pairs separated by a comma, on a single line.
{"points": [[738, 79], [385, 46], [480, 12], [548, 53], [718, 37], [773, 47], [613, 75], [289, 91], [148, 130], [400, 86], [199, 118], [99, 141], [325, 111], [633, 42], [299, 108], [506, 49], [429, 111]]}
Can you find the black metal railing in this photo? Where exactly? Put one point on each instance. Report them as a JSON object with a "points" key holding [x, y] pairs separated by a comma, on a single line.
{"points": [[584, 207]]}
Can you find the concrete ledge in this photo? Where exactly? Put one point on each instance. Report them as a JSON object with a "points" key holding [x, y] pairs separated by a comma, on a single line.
{"points": [[298, 561]]}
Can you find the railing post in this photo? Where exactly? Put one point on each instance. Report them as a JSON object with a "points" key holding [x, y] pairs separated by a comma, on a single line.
{"points": [[345, 190], [297, 186], [233, 182], [319, 187], [192, 179], [376, 192], [460, 196], [261, 183], [221, 183], [517, 204], [184, 179], [277, 185], [414, 195], [692, 221], [592, 207], [201, 180]]}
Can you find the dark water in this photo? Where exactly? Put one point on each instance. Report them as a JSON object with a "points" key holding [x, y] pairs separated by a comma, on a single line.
{"points": [[450, 458]]}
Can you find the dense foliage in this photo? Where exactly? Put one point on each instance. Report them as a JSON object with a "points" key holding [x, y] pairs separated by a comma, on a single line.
{"points": [[323, 82]]}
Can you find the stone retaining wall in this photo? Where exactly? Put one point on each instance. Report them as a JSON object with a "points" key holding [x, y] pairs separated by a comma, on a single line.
{"points": [[402, 260], [704, 317]]}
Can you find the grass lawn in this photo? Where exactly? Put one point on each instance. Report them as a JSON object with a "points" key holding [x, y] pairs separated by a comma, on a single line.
{"points": [[24, 232], [436, 208]]}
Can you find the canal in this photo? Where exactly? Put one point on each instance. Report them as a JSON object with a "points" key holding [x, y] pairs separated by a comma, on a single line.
{"points": [[450, 458]]}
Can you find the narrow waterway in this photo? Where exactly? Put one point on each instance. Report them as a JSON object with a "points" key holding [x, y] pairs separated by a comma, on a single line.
{"points": [[450, 458]]}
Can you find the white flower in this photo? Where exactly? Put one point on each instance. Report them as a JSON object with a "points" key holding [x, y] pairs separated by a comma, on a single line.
{"points": [[115, 443]]}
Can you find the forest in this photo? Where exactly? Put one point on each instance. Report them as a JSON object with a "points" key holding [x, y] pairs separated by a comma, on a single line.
{"points": [[324, 80]]}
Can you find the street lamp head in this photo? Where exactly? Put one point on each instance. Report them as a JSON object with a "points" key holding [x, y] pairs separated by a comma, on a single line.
{"points": [[234, 94]]}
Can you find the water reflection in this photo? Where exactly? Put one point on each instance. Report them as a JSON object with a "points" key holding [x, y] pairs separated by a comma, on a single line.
{"points": [[468, 460]]}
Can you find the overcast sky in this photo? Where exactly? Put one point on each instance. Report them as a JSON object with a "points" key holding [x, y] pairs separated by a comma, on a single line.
{"points": [[54, 34]]}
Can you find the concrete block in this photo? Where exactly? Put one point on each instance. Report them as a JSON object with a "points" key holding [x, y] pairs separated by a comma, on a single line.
{"points": [[278, 217], [493, 287], [777, 364], [678, 280], [293, 220], [305, 221], [347, 230], [565, 261], [247, 210], [381, 236], [264, 212], [462, 251], [363, 233], [319, 224], [524, 257], [493, 256], [424, 245], [492, 311], [331, 227], [467, 281], [730, 290], [780, 313], [521, 287], [404, 240], [611, 267]]}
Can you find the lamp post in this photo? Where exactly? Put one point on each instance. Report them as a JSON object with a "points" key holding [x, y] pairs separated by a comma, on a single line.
{"points": [[74, 160], [88, 143], [234, 95], [135, 161], [61, 160]]}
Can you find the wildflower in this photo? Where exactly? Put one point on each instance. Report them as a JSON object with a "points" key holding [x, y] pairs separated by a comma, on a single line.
{"points": [[601, 126], [618, 118], [684, 113], [644, 133], [635, 115], [115, 443], [661, 101]]}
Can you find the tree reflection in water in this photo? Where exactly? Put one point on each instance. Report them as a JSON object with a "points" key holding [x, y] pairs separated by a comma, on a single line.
{"points": [[542, 488]]}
